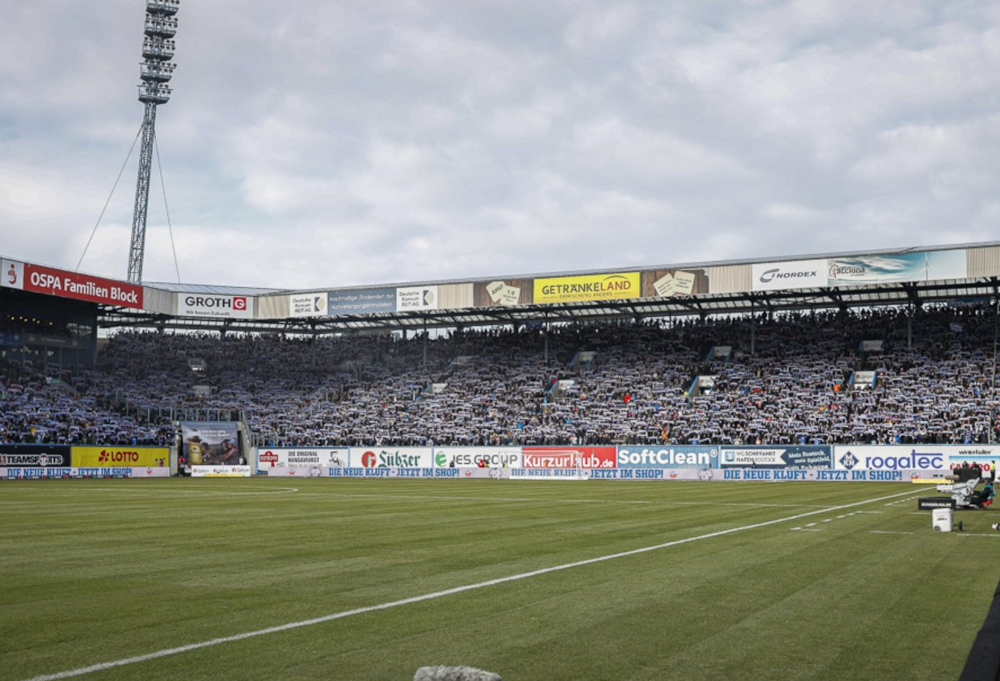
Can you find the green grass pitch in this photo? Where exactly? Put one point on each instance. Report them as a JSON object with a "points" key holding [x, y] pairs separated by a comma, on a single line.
{"points": [[99, 571]]}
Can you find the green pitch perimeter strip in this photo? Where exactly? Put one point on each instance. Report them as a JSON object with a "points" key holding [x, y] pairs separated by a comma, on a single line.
{"points": [[441, 594]]}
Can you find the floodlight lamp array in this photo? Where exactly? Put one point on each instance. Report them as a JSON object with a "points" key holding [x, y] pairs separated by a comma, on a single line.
{"points": [[157, 51]]}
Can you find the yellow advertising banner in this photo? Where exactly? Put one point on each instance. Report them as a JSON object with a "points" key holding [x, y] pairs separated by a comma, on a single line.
{"points": [[138, 457], [587, 287]]}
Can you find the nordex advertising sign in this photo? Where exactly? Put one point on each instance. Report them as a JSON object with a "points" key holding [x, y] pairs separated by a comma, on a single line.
{"points": [[781, 456], [776, 276], [679, 456], [900, 457], [588, 287], [153, 457], [477, 457], [392, 457]]}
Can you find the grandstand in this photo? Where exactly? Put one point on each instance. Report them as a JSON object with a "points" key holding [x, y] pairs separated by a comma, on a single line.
{"points": [[877, 348]]}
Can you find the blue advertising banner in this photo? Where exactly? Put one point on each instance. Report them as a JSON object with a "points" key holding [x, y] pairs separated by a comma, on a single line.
{"points": [[895, 267], [362, 301], [781, 456], [672, 456]]}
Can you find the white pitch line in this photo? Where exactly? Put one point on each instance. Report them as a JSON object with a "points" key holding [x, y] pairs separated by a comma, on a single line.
{"points": [[431, 596]]}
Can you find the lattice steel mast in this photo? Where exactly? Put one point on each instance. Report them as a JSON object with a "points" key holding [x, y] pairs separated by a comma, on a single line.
{"points": [[156, 71]]}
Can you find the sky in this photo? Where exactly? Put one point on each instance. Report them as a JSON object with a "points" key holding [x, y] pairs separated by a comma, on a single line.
{"points": [[327, 144]]}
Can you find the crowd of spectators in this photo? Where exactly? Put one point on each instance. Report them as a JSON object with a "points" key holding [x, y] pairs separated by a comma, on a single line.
{"points": [[786, 380]]}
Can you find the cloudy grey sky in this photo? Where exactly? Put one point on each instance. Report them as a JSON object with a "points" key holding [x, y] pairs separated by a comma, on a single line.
{"points": [[314, 143]]}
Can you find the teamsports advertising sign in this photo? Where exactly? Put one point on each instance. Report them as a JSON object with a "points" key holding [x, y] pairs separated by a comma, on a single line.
{"points": [[35, 456]]}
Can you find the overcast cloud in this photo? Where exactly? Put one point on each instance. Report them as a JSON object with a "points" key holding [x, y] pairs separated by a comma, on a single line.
{"points": [[315, 144]]}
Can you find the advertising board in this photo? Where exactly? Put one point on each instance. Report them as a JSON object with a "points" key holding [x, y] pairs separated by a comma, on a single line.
{"points": [[361, 301], [673, 456], [614, 286], [77, 472], [673, 283], [897, 267], [392, 457], [74, 285], [417, 298], [35, 456], [281, 457], [211, 443], [781, 456], [778, 276], [895, 457], [569, 457], [221, 472], [308, 305], [216, 306], [477, 457], [502, 293], [102, 456]]}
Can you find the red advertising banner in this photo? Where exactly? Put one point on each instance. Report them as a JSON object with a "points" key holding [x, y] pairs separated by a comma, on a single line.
{"points": [[570, 457], [81, 287]]}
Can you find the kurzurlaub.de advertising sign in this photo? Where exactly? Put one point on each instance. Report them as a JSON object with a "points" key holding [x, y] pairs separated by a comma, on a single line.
{"points": [[588, 287], [679, 456], [776, 276], [209, 305]]}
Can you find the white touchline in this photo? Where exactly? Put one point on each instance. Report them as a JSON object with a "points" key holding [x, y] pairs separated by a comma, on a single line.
{"points": [[437, 594]]}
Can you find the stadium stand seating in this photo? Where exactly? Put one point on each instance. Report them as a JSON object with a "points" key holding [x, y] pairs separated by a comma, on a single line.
{"points": [[787, 380]]}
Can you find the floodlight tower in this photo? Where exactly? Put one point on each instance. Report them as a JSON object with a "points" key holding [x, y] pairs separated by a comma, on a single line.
{"points": [[155, 72]]}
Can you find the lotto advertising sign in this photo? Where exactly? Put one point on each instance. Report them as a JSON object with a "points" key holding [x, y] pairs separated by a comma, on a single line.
{"points": [[220, 307], [393, 457], [282, 457], [35, 456], [894, 457], [679, 456], [91, 457], [477, 457], [74, 285], [785, 456], [569, 457]]}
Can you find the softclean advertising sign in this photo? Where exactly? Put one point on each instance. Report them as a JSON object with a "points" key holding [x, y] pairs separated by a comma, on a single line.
{"points": [[614, 286], [673, 456], [219, 307], [777, 276]]}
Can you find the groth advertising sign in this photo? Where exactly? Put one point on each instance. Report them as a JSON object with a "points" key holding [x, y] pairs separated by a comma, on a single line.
{"points": [[205, 305]]}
